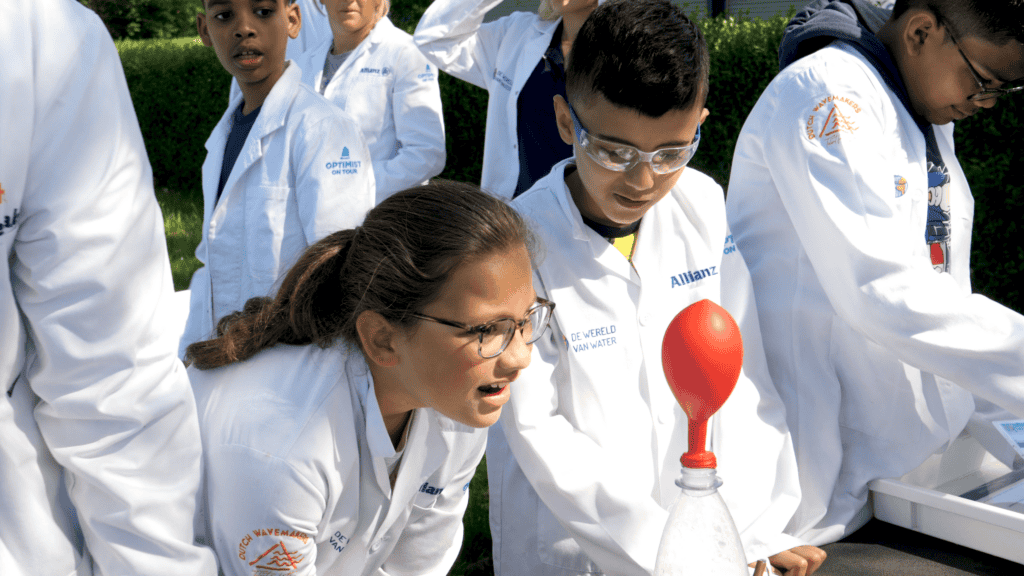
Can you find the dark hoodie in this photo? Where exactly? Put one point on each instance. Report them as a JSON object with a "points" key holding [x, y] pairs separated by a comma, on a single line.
{"points": [[853, 21], [856, 22]]}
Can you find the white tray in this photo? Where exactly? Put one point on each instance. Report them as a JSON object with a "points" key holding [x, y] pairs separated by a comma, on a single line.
{"points": [[927, 500]]}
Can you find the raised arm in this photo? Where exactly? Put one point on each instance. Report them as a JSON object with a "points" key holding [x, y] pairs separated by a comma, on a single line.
{"points": [[452, 35]]}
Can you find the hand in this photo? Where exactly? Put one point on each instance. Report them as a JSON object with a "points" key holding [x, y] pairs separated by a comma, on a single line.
{"points": [[799, 561]]}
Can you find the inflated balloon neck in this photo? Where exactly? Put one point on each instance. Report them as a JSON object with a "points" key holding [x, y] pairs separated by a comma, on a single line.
{"points": [[697, 456]]}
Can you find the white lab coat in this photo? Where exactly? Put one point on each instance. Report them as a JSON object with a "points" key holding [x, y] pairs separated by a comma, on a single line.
{"points": [[303, 173], [592, 427], [389, 89], [295, 450], [498, 56], [94, 404], [868, 345]]}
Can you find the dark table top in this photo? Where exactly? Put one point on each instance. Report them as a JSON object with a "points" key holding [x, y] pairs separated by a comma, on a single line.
{"points": [[883, 549]]}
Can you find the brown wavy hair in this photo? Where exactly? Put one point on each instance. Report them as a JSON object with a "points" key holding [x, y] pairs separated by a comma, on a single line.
{"points": [[394, 264]]}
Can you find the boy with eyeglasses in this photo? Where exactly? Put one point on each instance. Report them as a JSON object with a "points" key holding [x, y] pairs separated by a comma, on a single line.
{"points": [[584, 472], [854, 217]]}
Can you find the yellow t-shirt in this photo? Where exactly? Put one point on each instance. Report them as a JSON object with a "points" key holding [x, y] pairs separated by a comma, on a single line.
{"points": [[625, 244]]}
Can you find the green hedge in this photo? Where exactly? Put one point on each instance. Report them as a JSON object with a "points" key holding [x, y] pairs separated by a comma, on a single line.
{"points": [[138, 19], [180, 91]]}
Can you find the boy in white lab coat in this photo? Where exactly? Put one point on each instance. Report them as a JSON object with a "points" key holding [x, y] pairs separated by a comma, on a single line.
{"points": [[284, 167], [849, 205], [583, 475]]}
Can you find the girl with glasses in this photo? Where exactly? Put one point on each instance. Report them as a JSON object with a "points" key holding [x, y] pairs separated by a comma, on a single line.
{"points": [[343, 419]]}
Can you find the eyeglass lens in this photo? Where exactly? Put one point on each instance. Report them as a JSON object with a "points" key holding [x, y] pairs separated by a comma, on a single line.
{"points": [[494, 341]]}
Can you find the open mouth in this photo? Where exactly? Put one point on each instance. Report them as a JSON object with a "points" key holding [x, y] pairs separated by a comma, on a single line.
{"points": [[248, 57], [492, 389]]}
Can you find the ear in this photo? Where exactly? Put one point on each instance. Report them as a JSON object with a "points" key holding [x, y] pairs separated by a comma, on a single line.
{"points": [[920, 27], [377, 337], [564, 120], [703, 116], [204, 32], [294, 15]]}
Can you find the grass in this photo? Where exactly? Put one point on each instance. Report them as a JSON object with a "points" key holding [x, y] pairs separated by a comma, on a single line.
{"points": [[183, 223]]}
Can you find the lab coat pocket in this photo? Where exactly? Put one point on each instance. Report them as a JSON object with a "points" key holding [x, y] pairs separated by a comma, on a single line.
{"points": [[555, 547], [265, 211]]}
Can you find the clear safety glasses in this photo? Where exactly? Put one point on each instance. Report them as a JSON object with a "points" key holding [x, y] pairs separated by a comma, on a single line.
{"points": [[622, 157], [494, 336]]}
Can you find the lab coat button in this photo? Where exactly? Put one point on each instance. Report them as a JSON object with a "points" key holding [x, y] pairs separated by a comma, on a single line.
{"points": [[376, 545], [645, 319]]}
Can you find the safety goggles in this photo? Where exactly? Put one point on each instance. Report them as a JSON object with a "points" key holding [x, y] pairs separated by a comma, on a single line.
{"points": [[620, 157]]}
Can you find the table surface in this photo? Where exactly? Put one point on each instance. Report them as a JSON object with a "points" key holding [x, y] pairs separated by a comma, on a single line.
{"points": [[880, 548]]}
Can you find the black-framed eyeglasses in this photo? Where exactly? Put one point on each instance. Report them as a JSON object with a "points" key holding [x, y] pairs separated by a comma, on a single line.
{"points": [[494, 336], [983, 92], [622, 157]]}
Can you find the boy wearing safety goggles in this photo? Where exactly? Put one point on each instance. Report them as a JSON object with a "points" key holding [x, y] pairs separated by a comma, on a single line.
{"points": [[584, 473]]}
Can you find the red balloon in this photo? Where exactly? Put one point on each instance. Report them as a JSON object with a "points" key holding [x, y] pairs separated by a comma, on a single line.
{"points": [[702, 354]]}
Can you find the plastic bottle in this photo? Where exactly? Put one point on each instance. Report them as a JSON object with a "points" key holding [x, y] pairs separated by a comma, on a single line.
{"points": [[700, 536]]}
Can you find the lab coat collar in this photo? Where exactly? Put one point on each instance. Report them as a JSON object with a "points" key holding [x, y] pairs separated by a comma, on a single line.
{"points": [[547, 27], [273, 115], [315, 57], [380, 32], [427, 445], [555, 181], [600, 249]]}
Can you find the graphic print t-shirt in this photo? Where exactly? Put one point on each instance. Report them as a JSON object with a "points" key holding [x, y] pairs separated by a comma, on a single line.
{"points": [[936, 232]]}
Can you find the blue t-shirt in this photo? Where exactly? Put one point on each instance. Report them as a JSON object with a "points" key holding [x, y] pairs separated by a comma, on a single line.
{"points": [[540, 145], [241, 124]]}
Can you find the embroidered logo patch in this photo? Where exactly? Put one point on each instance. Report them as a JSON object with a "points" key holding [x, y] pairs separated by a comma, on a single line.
{"points": [[9, 221], [730, 245], [432, 490], [345, 165], [272, 551], [505, 81], [426, 76], [691, 276], [901, 185], [831, 118], [593, 338], [2, 193], [339, 541], [385, 71]]}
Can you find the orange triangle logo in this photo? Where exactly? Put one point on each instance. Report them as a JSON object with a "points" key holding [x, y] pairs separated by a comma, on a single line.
{"points": [[280, 558], [836, 122], [2, 192]]}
